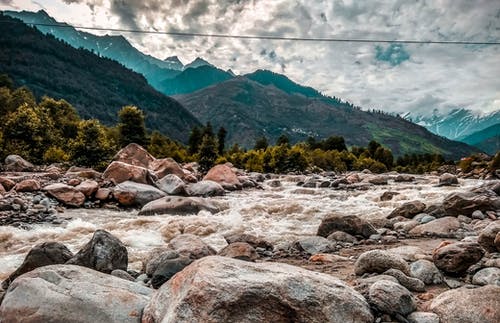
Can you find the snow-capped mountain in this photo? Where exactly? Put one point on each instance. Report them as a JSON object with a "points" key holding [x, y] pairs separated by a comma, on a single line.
{"points": [[456, 124]]}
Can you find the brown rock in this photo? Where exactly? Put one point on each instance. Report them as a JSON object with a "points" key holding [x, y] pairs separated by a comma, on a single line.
{"points": [[133, 154], [74, 182], [408, 210], [468, 305], [83, 173], [28, 185], [387, 196], [165, 166], [103, 194], [191, 246], [119, 172], [65, 194], [88, 187], [254, 241], [444, 227], [351, 224], [220, 289], [456, 258], [225, 176], [7, 183], [2, 190], [180, 205], [239, 250]]}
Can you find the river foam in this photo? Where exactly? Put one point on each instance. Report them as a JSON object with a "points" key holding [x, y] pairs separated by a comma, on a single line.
{"points": [[278, 214]]}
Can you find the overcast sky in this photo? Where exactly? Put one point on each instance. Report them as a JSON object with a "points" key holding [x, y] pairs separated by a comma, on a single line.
{"points": [[417, 78]]}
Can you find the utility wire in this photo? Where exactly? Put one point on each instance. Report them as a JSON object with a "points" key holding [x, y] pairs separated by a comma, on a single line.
{"points": [[193, 34]]}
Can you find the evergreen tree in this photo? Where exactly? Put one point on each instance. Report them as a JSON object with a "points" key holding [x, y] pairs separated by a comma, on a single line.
{"points": [[221, 139], [131, 126], [261, 143], [334, 143], [91, 147], [283, 140], [207, 154], [194, 140]]}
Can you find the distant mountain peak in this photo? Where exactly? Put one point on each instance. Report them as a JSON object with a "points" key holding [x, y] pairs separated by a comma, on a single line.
{"points": [[230, 71], [173, 59], [198, 61]]}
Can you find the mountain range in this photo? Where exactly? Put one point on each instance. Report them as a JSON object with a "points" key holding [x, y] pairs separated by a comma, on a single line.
{"points": [[97, 87], [249, 106], [488, 140]]}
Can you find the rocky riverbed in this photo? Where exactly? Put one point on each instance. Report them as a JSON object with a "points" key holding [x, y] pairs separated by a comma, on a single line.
{"points": [[245, 247]]}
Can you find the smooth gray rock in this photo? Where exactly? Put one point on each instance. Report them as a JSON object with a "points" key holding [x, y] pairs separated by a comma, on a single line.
{"points": [[180, 205], [221, 289], [426, 271], [314, 244], [130, 193], [172, 185], [447, 179], [487, 276], [65, 293], [378, 261], [413, 284], [205, 188], [391, 298], [122, 274], [407, 210], [155, 260]]}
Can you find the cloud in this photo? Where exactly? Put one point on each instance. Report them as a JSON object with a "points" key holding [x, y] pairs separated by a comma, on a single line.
{"points": [[391, 77]]}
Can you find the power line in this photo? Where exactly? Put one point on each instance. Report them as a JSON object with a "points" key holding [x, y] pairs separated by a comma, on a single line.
{"points": [[193, 34]]}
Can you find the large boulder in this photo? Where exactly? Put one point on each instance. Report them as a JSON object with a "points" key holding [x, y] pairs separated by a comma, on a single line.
{"points": [[65, 194], [88, 187], [351, 224], [466, 203], [46, 253], [165, 166], [391, 298], [444, 227], [191, 246], [172, 185], [225, 176], [487, 237], [15, 163], [378, 261], [104, 252], [119, 172], [205, 188], [456, 258], [64, 293], [220, 289], [28, 185], [468, 305], [131, 193], [408, 210], [134, 154], [180, 205]]}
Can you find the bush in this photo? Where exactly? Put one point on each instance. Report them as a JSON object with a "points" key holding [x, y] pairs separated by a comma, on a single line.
{"points": [[55, 155]]}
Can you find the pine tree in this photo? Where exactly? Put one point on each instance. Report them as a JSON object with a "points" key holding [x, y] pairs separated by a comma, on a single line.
{"points": [[131, 126], [221, 139], [261, 143], [207, 154], [194, 140]]}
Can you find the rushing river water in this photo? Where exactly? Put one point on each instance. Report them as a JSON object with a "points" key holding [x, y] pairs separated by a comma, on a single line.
{"points": [[279, 214]]}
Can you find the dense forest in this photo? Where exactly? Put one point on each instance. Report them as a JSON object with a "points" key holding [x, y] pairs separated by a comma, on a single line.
{"points": [[96, 86]]}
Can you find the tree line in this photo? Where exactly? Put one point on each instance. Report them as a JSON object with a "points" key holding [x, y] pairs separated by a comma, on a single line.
{"points": [[50, 131]]}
